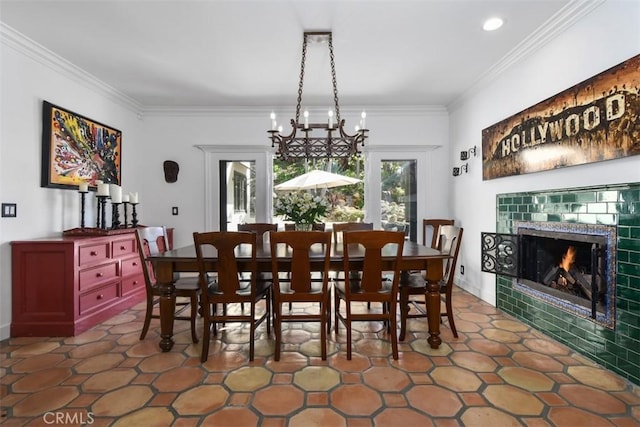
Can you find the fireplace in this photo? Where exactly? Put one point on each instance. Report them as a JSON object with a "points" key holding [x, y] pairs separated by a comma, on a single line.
{"points": [[571, 266], [609, 218]]}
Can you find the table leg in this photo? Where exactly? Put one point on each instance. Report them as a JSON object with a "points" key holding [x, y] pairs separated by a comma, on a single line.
{"points": [[433, 314], [432, 299], [164, 276]]}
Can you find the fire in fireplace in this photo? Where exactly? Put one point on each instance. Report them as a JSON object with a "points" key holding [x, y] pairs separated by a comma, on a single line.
{"points": [[571, 266]]}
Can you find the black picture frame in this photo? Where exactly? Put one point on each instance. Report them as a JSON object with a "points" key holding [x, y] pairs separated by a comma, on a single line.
{"points": [[77, 149]]}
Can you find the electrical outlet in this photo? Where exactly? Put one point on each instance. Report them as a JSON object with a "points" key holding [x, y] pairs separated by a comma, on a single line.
{"points": [[174, 210], [462, 269]]}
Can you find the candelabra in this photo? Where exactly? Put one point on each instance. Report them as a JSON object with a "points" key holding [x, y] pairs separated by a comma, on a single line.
{"points": [[83, 195], [134, 215], [102, 212], [124, 206], [115, 216]]}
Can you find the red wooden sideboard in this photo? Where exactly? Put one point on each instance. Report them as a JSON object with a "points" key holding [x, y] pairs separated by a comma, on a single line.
{"points": [[64, 286]]}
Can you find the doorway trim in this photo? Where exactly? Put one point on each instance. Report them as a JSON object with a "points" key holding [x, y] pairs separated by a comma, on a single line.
{"points": [[263, 158], [373, 157]]}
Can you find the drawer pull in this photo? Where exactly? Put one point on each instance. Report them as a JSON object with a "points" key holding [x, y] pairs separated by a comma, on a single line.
{"points": [[134, 263], [135, 282], [93, 253], [122, 248], [99, 274], [99, 297]]}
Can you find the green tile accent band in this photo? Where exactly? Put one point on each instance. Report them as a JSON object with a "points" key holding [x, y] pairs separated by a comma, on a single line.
{"points": [[617, 205]]}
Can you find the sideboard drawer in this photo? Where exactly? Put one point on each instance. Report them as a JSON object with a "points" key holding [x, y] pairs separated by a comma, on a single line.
{"points": [[132, 284], [131, 266], [93, 253], [92, 277], [123, 247], [98, 297]]}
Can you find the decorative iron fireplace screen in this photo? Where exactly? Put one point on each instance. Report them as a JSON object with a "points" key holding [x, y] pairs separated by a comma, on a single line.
{"points": [[571, 266]]}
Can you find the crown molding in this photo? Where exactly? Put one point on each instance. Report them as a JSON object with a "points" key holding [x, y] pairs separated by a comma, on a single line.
{"points": [[38, 53], [571, 13], [264, 111]]}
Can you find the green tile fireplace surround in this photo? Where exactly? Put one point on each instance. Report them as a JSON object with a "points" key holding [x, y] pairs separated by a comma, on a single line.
{"points": [[616, 205]]}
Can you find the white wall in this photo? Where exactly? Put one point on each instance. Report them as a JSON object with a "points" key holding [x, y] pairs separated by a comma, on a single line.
{"points": [[27, 79], [604, 38], [174, 135]]}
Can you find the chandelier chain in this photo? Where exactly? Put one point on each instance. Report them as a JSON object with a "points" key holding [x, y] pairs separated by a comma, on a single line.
{"points": [[304, 59], [334, 81]]}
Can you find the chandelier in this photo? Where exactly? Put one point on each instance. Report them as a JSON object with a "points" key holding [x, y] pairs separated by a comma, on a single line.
{"points": [[330, 139]]}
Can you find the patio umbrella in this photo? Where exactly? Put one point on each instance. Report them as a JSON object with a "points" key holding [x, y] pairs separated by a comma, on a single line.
{"points": [[316, 179]]}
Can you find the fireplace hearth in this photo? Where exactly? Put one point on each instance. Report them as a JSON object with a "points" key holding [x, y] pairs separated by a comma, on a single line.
{"points": [[570, 266]]}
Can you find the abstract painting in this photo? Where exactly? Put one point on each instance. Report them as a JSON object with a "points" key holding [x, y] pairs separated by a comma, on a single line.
{"points": [[76, 149]]}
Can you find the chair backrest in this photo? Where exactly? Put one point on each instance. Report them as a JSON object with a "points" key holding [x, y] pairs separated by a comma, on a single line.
{"points": [[223, 245], [301, 246], [151, 241], [373, 242], [431, 226], [341, 227], [318, 226], [260, 228], [450, 238]]}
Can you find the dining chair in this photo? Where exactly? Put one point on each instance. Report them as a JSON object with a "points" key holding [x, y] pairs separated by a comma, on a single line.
{"points": [[152, 241], [340, 227], [228, 288], [338, 231], [297, 284], [369, 285], [431, 226], [261, 229], [449, 238], [318, 226]]}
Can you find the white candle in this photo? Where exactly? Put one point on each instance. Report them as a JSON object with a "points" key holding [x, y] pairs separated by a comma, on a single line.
{"points": [[83, 187], [133, 197], [273, 121], [103, 190], [116, 194], [125, 198], [330, 119], [363, 115], [306, 119]]}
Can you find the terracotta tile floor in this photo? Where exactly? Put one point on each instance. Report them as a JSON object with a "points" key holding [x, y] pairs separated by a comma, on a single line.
{"points": [[498, 373]]}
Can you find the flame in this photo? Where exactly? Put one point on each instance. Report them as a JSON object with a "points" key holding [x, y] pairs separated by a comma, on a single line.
{"points": [[568, 258]]}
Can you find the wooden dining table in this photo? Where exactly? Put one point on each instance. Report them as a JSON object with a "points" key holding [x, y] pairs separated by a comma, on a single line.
{"points": [[183, 260]]}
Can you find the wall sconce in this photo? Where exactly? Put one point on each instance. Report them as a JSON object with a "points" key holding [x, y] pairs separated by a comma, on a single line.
{"points": [[465, 155], [457, 171]]}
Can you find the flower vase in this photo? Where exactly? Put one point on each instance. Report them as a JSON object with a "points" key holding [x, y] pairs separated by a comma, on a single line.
{"points": [[303, 226]]}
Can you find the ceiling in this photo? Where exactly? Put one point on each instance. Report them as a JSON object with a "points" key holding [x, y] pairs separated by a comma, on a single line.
{"points": [[247, 53]]}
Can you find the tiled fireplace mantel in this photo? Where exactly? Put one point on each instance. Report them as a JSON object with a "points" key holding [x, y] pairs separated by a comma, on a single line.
{"points": [[616, 205]]}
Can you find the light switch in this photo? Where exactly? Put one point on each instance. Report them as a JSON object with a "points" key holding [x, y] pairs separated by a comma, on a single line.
{"points": [[9, 210], [174, 210]]}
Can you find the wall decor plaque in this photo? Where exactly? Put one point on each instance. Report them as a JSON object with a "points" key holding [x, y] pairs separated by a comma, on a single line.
{"points": [[595, 120]]}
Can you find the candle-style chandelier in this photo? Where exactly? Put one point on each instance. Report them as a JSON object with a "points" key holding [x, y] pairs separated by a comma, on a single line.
{"points": [[334, 141]]}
